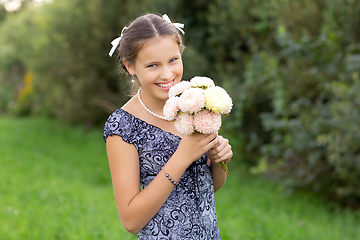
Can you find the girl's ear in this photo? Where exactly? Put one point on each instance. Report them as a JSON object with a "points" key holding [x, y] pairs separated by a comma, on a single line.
{"points": [[129, 67]]}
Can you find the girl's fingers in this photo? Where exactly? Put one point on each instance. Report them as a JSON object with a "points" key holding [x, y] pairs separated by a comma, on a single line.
{"points": [[213, 144], [211, 137], [211, 140], [225, 158], [220, 146], [220, 140], [222, 152], [195, 145]]}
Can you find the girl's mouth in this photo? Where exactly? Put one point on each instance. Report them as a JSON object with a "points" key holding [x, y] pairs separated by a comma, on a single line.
{"points": [[165, 85]]}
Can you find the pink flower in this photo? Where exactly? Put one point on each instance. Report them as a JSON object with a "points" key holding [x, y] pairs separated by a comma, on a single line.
{"points": [[185, 124], [192, 100], [171, 108], [206, 122], [179, 88]]}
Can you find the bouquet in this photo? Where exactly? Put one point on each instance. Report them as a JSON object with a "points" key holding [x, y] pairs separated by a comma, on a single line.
{"points": [[197, 105]]}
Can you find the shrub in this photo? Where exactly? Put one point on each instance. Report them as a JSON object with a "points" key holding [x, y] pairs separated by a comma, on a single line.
{"points": [[314, 96]]}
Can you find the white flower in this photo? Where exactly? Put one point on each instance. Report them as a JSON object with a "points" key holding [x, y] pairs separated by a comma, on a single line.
{"points": [[202, 82]]}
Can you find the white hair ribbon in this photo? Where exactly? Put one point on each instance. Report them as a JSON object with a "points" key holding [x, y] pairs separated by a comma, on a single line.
{"points": [[115, 43], [179, 26]]}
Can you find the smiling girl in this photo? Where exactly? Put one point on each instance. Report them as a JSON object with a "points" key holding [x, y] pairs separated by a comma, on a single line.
{"points": [[164, 182]]}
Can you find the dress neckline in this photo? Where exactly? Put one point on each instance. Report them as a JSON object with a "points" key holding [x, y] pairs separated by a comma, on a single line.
{"points": [[126, 112]]}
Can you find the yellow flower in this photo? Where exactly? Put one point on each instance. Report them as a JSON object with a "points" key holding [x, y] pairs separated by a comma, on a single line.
{"points": [[217, 100]]}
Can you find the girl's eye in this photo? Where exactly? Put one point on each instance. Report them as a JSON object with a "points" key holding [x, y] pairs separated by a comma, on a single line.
{"points": [[173, 60], [152, 66]]}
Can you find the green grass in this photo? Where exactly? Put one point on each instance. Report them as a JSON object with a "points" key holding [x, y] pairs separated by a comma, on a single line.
{"points": [[55, 184]]}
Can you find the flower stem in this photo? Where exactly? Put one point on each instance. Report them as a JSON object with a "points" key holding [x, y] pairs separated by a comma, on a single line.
{"points": [[224, 166]]}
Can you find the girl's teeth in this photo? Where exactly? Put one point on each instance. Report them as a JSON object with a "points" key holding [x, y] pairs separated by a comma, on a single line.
{"points": [[164, 85]]}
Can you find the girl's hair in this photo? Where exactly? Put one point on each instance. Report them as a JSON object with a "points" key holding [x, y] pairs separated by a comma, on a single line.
{"points": [[141, 30]]}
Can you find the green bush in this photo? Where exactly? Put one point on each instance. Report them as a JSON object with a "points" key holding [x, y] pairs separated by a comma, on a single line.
{"points": [[281, 61], [65, 46], [314, 95], [342, 138]]}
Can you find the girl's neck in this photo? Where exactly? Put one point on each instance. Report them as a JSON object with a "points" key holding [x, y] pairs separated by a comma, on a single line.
{"points": [[153, 104]]}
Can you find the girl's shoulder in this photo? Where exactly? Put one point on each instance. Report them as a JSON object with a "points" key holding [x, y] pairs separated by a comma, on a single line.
{"points": [[118, 123], [123, 123], [131, 106], [122, 120]]}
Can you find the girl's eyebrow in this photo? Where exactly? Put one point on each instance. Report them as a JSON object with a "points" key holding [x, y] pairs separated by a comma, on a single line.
{"points": [[176, 55]]}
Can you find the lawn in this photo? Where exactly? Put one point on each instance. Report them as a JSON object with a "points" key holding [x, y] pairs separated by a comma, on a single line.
{"points": [[55, 184]]}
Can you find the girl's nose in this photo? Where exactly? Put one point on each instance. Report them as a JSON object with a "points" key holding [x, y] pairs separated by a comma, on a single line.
{"points": [[166, 73]]}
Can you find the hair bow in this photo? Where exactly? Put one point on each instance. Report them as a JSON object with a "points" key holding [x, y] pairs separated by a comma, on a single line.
{"points": [[115, 43], [179, 26]]}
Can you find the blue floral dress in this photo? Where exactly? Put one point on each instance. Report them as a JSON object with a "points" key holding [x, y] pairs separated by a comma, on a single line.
{"points": [[189, 212]]}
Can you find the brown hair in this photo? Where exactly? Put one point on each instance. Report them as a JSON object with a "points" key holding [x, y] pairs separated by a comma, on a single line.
{"points": [[140, 31]]}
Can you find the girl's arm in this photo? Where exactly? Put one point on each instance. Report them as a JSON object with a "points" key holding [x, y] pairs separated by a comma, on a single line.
{"points": [[135, 207], [221, 152]]}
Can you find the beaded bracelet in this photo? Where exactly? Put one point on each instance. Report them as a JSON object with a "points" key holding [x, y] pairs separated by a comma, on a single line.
{"points": [[170, 179]]}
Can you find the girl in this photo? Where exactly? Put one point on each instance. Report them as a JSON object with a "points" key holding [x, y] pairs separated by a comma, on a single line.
{"points": [[178, 174]]}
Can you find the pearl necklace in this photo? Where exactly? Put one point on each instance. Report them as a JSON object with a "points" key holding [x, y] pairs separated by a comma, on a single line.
{"points": [[148, 110]]}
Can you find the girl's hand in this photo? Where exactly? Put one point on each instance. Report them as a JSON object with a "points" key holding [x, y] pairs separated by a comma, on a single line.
{"points": [[193, 146], [221, 151]]}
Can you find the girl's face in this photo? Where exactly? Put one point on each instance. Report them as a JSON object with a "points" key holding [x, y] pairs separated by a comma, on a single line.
{"points": [[158, 67]]}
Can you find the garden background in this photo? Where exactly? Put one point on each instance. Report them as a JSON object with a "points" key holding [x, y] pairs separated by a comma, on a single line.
{"points": [[291, 67]]}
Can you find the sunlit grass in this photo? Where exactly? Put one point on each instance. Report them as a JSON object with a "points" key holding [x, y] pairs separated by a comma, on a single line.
{"points": [[253, 208], [55, 184]]}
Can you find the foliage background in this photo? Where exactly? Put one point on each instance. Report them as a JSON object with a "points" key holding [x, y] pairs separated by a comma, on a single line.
{"points": [[292, 68]]}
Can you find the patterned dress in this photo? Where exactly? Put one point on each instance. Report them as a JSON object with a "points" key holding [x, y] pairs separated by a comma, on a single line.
{"points": [[189, 212]]}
